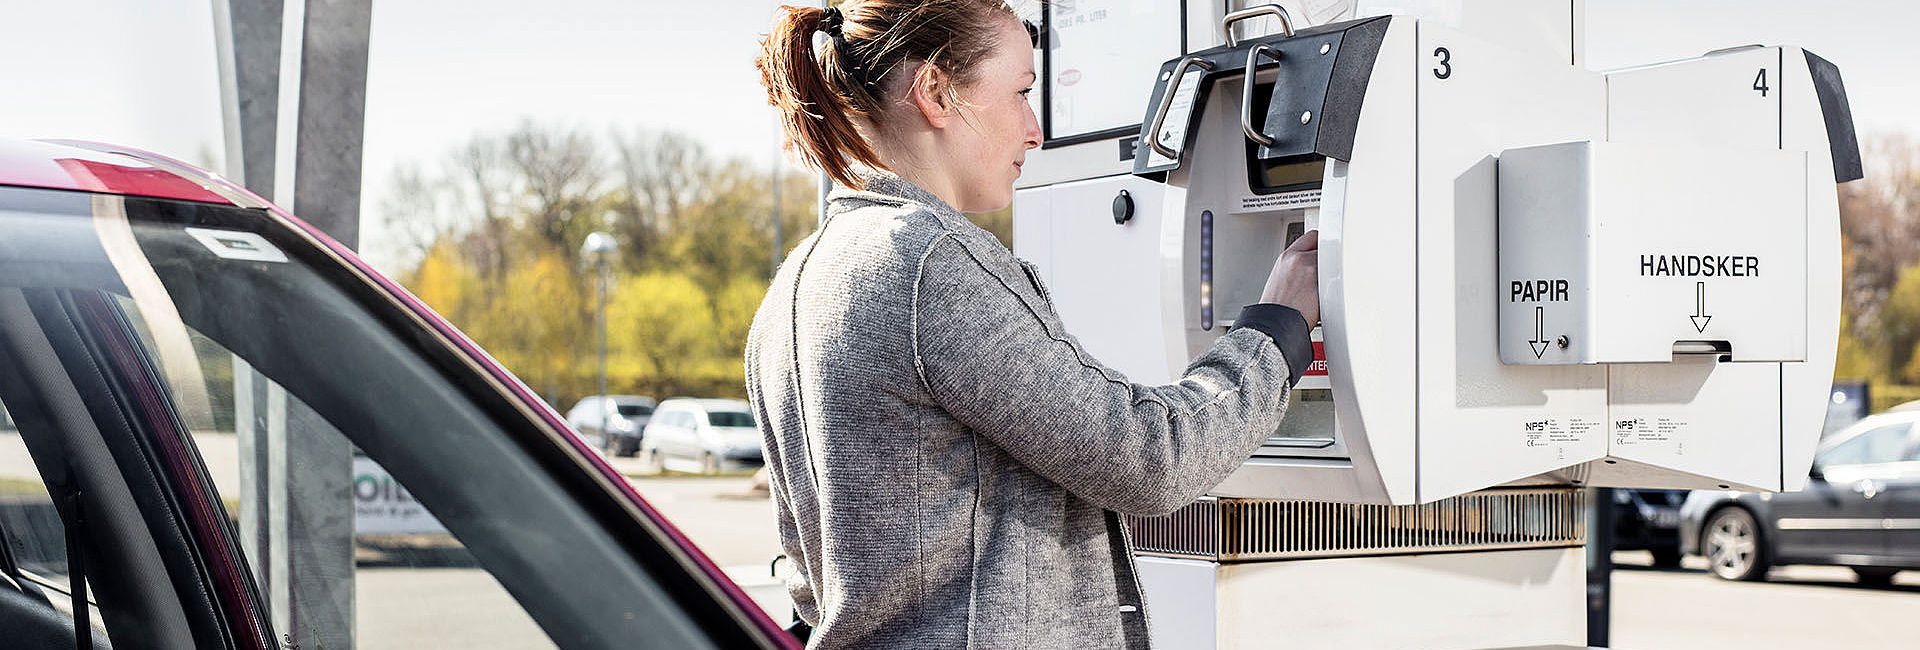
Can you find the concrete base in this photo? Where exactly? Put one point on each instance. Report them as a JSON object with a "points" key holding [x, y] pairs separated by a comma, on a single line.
{"points": [[1441, 601]]}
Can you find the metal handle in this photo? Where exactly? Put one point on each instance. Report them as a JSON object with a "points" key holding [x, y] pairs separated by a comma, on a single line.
{"points": [[1246, 95], [1226, 24], [1867, 488], [1166, 104]]}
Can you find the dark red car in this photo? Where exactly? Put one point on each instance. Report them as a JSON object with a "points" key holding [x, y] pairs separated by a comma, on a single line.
{"points": [[154, 318]]}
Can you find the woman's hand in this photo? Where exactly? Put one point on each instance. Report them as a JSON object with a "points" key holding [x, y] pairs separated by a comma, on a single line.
{"points": [[1295, 280]]}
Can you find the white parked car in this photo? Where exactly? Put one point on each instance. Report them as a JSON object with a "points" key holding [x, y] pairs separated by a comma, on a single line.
{"points": [[701, 435]]}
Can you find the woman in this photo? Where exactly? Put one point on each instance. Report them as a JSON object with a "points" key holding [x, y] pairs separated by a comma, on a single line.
{"points": [[947, 463]]}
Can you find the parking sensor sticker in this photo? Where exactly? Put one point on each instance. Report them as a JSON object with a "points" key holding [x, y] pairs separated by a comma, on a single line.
{"points": [[236, 245]]}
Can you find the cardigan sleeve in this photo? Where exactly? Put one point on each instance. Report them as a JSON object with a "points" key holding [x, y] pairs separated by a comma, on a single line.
{"points": [[994, 355]]}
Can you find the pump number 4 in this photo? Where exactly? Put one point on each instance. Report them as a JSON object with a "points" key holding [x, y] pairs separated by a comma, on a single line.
{"points": [[1760, 82]]}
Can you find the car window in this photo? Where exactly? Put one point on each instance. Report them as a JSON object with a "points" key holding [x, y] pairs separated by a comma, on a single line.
{"points": [[729, 419], [415, 584], [635, 410], [1884, 444]]}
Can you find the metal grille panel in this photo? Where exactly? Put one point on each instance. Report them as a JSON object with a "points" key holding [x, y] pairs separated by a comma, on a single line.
{"points": [[1236, 530]]}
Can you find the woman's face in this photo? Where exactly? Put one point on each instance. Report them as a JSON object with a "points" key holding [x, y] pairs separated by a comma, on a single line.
{"points": [[997, 125]]}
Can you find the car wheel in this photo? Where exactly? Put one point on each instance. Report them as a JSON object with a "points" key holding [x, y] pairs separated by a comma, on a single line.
{"points": [[708, 464], [654, 465], [627, 448], [1733, 545], [1874, 576], [1666, 557]]}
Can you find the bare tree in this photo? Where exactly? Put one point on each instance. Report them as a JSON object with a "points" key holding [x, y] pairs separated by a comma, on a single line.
{"points": [[415, 213], [560, 176], [484, 185], [661, 175], [1880, 223]]}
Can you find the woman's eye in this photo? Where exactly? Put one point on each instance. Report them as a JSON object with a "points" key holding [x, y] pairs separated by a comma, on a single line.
{"points": [[1024, 93]]}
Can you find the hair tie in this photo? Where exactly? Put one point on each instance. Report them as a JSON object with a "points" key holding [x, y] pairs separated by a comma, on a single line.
{"points": [[830, 21]]}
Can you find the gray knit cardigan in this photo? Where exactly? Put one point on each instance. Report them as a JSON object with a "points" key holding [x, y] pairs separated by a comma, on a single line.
{"points": [[947, 462]]}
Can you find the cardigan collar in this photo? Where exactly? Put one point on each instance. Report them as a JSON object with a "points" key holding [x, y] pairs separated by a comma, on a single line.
{"points": [[888, 188]]}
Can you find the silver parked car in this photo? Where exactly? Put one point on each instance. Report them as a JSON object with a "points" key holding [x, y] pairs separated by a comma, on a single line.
{"points": [[701, 435], [1860, 509], [626, 418]]}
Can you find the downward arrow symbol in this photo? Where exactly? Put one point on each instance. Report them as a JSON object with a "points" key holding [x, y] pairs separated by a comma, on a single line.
{"points": [[1539, 332], [1700, 316]]}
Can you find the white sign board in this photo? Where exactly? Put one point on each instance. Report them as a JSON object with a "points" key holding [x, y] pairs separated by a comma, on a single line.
{"points": [[1100, 50], [381, 506]]}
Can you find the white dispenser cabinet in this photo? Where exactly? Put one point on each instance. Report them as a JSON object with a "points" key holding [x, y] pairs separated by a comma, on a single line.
{"points": [[1621, 253]]}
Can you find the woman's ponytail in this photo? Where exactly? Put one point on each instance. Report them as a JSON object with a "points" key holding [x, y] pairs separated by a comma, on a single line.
{"points": [[815, 113]]}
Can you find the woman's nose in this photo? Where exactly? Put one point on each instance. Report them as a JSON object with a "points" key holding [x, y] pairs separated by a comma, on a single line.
{"points": [[1033, 130]]}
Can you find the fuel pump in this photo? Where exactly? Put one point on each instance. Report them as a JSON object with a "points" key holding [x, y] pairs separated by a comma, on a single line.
{"points": [[1535, 279]]}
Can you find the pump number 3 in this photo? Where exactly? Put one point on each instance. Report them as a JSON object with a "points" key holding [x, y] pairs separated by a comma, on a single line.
{"points": [[1444, 67]]}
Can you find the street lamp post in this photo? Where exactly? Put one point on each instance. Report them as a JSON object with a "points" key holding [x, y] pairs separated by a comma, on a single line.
{"points": [[599, 247]]}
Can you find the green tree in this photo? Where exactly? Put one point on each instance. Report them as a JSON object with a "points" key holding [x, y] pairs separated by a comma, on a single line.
{"points": [[660, 330], [1852, 358], [445, 281], [494, 229], [1899, 325], [733, 312], [536, 322]]}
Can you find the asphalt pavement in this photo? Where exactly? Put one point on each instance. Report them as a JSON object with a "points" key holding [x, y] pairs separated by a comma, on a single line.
{"points": [[1800, 607], [1653, 609]]}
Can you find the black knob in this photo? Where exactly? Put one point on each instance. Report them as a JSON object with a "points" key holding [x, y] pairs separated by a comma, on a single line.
{"points": [[1122, 208]]}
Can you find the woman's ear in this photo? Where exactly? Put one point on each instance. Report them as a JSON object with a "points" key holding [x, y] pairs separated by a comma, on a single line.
{"points": [[932, 94]]}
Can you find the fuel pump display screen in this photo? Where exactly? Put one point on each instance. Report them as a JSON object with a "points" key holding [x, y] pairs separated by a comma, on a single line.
{"points": [[1270, 176]]}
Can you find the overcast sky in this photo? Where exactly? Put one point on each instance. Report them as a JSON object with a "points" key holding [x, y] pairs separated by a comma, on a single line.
{"points": [[142, 72]]}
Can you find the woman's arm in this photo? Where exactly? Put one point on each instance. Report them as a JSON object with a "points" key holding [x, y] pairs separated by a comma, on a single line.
{"points": [[799, 583], [995, 356]]}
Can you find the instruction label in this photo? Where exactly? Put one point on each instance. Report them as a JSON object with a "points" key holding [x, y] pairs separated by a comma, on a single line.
{"points": [[1283, 201], [1647, 430], [1173, 130], [1550, 432]]}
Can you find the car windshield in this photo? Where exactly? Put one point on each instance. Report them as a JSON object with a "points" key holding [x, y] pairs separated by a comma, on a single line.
{"points": [[203, 340], [729, 419], [635, 410]]}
